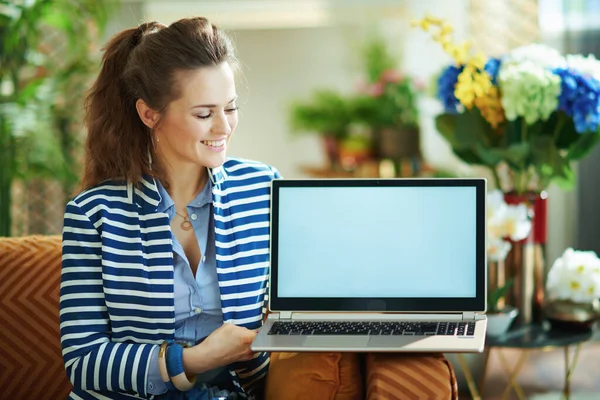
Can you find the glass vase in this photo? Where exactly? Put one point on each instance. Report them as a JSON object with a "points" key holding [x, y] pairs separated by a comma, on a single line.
{"points": [[525, 262]]}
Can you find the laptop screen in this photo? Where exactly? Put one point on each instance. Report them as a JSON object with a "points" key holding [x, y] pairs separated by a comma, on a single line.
{"points": [[395, 244]]}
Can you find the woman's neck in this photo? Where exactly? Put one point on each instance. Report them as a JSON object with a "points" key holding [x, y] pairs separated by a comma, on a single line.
{"points": [[185, 182]]}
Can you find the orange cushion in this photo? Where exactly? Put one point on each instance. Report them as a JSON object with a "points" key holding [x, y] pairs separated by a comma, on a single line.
{"points": [[410, 376], [318, 376], [31, 365]]}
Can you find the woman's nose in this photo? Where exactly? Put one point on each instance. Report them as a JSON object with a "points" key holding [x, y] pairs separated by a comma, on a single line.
{"points": [[221, 125]]}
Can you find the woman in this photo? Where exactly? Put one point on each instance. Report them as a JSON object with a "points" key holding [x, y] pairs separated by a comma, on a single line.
{"points": [[165, 251]]}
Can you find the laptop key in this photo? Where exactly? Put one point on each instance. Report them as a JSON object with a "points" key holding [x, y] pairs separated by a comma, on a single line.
{"points": [[471, 329]]}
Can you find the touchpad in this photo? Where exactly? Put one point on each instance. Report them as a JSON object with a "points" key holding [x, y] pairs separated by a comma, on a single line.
{"points": [[336, 341]]}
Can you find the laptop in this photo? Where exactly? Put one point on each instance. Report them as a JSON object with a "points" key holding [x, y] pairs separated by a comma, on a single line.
{"points": [[377, 265]]}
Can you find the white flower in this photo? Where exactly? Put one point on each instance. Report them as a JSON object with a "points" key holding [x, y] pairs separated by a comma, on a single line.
{"points": [[517, 224], [535, 53], [495, 203], [589, 65], [575, 276], [498, 249], [506, 221]]}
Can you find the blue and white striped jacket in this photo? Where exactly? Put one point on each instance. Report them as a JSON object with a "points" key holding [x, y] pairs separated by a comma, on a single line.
{"points": [[116, 293]]}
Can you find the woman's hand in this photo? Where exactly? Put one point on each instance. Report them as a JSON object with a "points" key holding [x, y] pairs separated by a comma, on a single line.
{"points": [[227, 344]]}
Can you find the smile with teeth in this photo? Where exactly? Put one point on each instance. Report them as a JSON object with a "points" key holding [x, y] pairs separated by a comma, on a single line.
{"points": [[214, 143]]}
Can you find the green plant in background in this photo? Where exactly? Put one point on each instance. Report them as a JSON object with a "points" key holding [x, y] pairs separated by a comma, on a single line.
{"points": [[388, 97], [44, 66], [326, 113]]}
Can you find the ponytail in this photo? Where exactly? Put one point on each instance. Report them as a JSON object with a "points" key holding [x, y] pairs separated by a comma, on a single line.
{"points": [[117, 140]]}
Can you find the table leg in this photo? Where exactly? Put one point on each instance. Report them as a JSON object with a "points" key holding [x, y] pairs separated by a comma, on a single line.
{"points": [[469, 377], [486, 357], [512, 382], [569, 368]]}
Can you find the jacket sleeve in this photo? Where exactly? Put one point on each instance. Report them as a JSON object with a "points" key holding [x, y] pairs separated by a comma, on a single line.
{"points": [[92, 361]]}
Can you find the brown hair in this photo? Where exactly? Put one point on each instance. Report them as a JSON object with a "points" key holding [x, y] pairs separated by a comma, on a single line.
{"points": [[141, 63]]}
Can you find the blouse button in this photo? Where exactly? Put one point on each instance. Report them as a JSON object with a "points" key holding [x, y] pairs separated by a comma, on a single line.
{"points": [[194, 217]]}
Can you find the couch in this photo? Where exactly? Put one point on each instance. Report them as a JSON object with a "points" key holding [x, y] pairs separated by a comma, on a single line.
{"points": [[31, 364]]}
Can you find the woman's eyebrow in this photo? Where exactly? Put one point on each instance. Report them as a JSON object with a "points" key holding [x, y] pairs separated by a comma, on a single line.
{"points": [[213, 105]]}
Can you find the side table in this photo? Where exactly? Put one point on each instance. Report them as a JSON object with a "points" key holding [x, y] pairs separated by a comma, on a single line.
{"points": [[533, 337]]}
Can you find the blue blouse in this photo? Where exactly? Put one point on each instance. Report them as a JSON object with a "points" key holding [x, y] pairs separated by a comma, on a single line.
{"points": [[197, 300]]}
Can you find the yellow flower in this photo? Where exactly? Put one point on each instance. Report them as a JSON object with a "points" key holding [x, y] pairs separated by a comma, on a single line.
{"points": [[478, 61], [474, 86], [446, 29], [491, 107]]}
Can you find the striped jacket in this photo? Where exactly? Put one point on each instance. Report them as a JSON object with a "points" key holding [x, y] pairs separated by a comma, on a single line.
{"points": [[116, 293]]}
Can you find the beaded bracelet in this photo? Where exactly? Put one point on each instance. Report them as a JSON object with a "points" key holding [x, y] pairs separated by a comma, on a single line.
{"points": [[175, 368]]}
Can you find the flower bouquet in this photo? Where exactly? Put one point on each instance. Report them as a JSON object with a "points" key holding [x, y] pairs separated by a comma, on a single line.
{"points": [[526, 116]]}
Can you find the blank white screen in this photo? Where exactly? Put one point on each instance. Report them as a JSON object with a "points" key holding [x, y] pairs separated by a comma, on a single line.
{"points": [[389, 242]]}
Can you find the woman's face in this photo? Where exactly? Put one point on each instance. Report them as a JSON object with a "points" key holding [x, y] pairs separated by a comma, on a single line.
{"points": [[197, 127]]}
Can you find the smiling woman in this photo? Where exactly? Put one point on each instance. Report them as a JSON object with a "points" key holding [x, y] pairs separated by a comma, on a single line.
{"points": [[165, 251]]}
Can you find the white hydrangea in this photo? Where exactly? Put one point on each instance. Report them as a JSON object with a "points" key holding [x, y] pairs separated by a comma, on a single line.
{"points": [[504, 221], [586, 65], [538, 54], [575, 276], [529, 91]]}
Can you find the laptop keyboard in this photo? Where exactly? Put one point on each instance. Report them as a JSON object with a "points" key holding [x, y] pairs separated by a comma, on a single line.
{"points": [[372, 328]]}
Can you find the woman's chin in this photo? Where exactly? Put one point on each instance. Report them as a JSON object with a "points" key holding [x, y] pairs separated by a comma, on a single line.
{"points": [[215, 160]]}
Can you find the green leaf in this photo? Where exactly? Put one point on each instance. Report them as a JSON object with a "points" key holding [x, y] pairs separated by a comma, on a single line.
{"points": [[550, 165], [495, 295], [515, 155], [583, 145], [566, 135], [468, 155], [567, 181], [489, 157]]}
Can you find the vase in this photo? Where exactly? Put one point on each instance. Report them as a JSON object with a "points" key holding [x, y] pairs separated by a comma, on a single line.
{"points": [[498, 323], [525, 262], [332, 151], [572, 316], [403, 146]]}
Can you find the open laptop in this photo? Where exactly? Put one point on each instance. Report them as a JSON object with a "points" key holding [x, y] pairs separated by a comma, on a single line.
{"points": [[367, 265]]}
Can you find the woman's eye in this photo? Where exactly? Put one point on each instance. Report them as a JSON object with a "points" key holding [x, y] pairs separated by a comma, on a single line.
{"points": [[204, 116], [230, 110]]}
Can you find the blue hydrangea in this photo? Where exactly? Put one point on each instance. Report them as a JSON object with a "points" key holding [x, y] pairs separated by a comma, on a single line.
{"points": [[492, 66], [446, 84], [580, 99]]}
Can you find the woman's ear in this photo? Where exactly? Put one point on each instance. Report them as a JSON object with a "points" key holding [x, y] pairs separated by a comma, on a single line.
{"points": [[148, 116]]}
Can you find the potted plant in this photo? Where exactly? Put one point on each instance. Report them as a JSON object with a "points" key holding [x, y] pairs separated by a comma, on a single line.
{"points": [[573, 290], [500, 317], [386, 101], [328, 114]]}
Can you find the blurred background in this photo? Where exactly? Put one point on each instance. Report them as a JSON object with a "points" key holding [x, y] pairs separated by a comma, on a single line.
{"points": [[307, 90], [328, 88]]}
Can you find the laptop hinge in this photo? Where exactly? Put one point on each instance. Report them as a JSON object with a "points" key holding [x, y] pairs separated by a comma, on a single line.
{"points": [[468, 316], [285, 315]]}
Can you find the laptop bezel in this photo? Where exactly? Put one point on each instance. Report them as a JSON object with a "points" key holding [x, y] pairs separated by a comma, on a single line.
{"points": [[398, 305]]}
